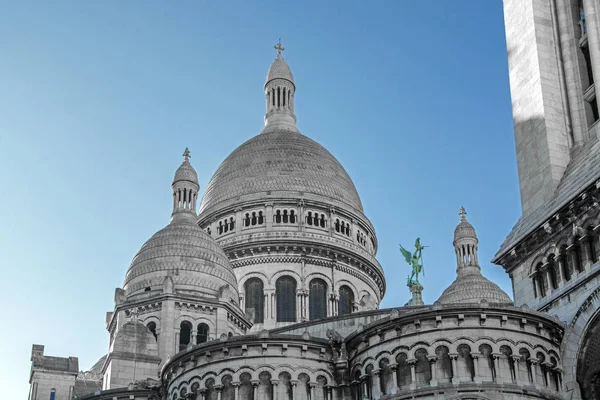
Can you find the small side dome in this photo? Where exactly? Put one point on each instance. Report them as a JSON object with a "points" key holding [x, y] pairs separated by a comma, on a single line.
{"points": [[181, 256], [470, 286], [471, 289]]}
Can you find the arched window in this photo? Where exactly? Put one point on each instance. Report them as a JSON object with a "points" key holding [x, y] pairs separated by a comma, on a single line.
{"points": [[403, 374], [211, 392], [261, 218], [185, 335], [321, 388], [443, 365], [254, 219], [278, 216], [246, 389], [346, 301], [265, 387], [486, 372], [284, 388], [369, 374], [309, 218], [317, 299], [255, 299], [152, 328], [464, 364], [386, 376], [422, 368], [285, 292], [228, 391], [524, 372], [202, 335], [506, 369], [247, 220], [292, 217], [285, 216]]}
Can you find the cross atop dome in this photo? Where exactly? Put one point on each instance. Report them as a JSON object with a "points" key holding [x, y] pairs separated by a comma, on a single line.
{"points": [[186, 154], [462, 213], [279, 48]]}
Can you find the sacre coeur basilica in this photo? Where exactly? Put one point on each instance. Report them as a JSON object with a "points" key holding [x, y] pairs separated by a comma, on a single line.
{"points": [[267, 285]]}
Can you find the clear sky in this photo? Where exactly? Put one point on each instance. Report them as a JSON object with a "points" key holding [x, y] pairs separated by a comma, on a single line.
{"points": [[98, 99]]}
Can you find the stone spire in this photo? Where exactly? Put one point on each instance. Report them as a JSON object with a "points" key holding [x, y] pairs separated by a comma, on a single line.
{"points": [[279, 94], [465, 245], [185, 189]]}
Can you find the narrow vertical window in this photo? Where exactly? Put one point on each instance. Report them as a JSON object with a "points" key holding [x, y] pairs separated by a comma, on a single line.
{"points": [[202, 335], [185, 335], [255, 299], [346, 301], [285, 289], [317, 299]]}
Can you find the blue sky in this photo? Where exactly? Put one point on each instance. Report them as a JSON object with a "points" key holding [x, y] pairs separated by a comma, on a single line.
{"points": [[99, 99]]}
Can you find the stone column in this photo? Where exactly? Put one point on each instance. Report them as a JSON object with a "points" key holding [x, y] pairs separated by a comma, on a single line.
{"points": [[275, 383], [516, 360], [593, 32], [202, 394], [294, 389], [219, 389], [413, 373], [255, 389], [533, 371], [453, 357], [395, 388], [265, 306], [236, 388], [477, 378], [243, 302], [377, 389], [562, 267], [496, 374], [432, 360], [268, 216], [329, 390], [193, 337], [575, 261], [364, 379], [312, 391], [547, 366], [538, 285], [298, 305], [548, 271], [587, 244], [238, 220]]}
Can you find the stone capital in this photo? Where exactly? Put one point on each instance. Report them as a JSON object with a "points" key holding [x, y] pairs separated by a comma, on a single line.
{"points": [[218, 388], [432, 358], [377, 371], [275, 382], [255, 382]]}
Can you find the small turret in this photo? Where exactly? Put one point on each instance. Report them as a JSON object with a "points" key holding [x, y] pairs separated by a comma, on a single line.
{"points": [[185, 189], [279, 94]]}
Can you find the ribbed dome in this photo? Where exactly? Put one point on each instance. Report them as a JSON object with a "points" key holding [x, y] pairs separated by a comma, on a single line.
{"points": [[187, 254], [473, 288], [280, 163], [279, 70]]}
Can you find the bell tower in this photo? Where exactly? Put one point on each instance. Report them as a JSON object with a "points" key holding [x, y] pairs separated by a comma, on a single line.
{"points": [[553, 56]]}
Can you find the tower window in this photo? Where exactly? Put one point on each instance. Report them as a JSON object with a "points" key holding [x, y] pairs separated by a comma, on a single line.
{"points": [[152, 328], [185, 335], [202, 335], [255, 299], [317, 299], [346, 303], [285, 292]]}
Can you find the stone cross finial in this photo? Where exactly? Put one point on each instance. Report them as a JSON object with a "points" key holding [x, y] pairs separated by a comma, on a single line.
{"points": [[462, 213], [186, 154], [279, 48]]}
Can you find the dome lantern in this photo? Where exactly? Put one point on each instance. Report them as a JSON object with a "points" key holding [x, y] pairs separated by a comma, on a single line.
{"points": [[470, 286], [465, 246], [279, 94], [185, 189]]}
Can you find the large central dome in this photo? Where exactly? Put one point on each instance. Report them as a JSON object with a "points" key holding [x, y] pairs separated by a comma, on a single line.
{"points": [[283, 164]]}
